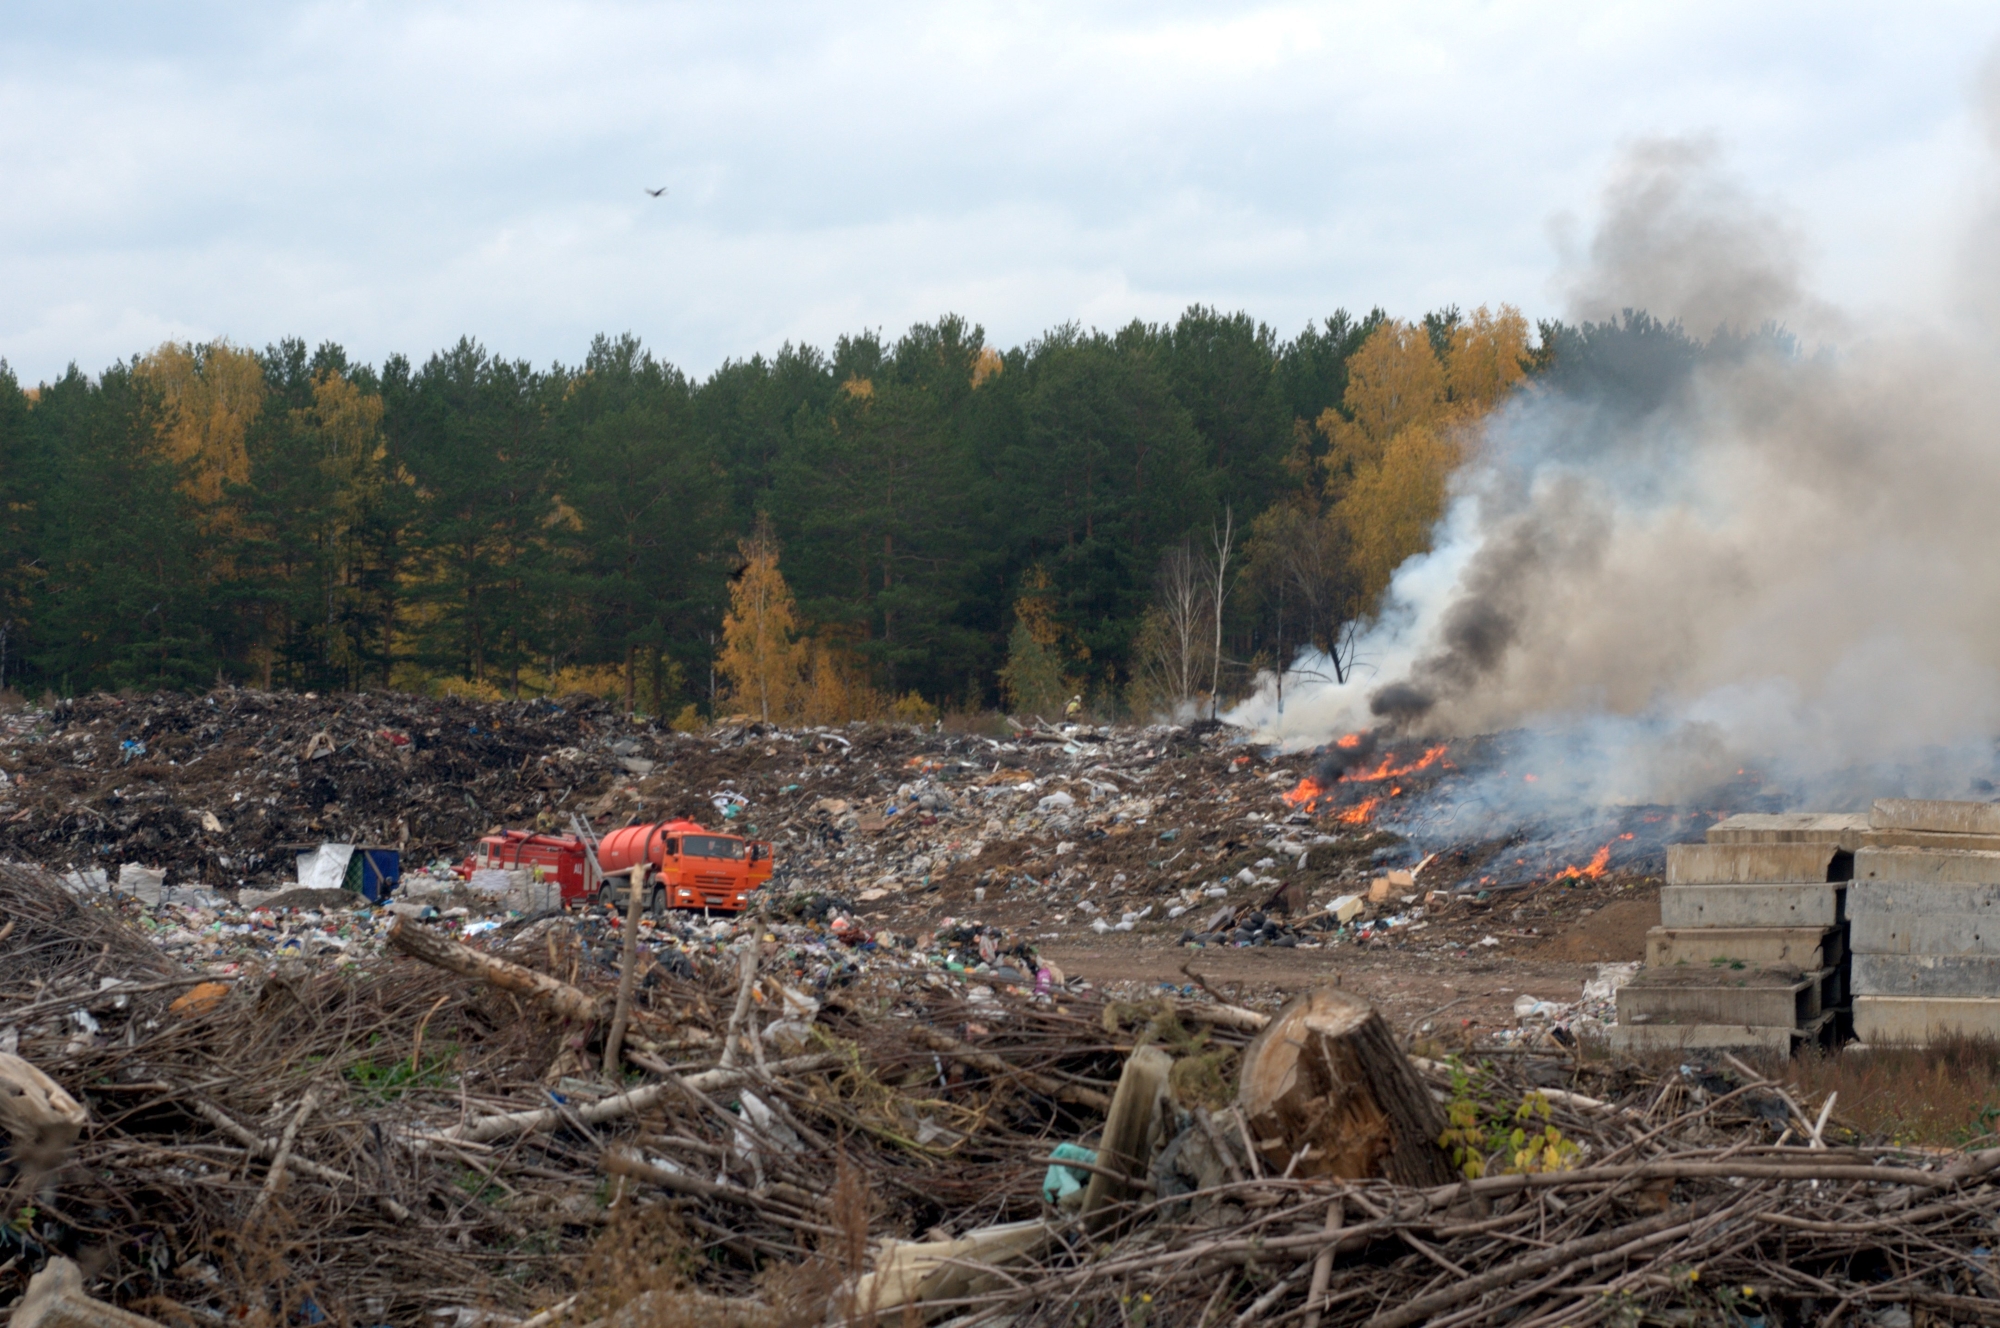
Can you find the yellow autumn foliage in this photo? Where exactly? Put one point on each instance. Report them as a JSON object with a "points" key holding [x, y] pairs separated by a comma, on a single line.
{"points": [[987, 365], [211, 394], [836, 684], [1409, 421], [760, 657], [1488, 355], [1394, 381]]}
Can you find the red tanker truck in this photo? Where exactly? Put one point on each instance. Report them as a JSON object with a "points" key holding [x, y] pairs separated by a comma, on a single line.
{"points": [[690, 867]]}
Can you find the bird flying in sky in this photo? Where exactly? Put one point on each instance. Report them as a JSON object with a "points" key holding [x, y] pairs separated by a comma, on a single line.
{"points": [[656, 192]]}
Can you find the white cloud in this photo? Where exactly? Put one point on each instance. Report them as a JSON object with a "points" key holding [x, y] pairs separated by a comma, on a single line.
{"points": [[392, 176]]}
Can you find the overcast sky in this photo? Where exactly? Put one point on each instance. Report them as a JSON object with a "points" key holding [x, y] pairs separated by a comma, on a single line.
{"points": [[394, 176]]}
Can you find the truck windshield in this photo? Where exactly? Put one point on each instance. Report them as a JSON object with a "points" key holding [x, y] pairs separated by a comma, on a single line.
{"points": [[711, 846]]}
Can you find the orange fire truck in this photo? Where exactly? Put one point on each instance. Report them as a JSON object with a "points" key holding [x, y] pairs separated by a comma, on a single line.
{"points": [[688, 866]]}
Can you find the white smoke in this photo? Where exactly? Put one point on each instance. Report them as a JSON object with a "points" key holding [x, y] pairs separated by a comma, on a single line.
{"points": [[1753, 556]]}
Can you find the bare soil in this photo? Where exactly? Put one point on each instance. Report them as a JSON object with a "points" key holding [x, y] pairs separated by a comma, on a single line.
{"points": [[1547, 941]]}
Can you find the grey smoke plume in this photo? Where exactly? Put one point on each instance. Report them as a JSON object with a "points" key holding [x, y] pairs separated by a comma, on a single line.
{"points": [[1684, 240], [1699, 546]]}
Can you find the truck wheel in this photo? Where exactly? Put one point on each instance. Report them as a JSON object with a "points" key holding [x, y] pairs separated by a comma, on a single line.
{"points": [[605, 897], [659, 904]]}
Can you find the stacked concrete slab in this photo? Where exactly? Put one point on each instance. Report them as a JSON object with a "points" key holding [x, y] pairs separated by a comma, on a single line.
{"points": [[1751, 950], [1925, 910]]}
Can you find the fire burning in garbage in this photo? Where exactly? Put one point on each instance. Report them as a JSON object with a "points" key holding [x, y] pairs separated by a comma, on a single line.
{"points": [[1594, 870], [1494, 824], [1361, 813], [1315, 789], [1307, 795], [1388, 769]]}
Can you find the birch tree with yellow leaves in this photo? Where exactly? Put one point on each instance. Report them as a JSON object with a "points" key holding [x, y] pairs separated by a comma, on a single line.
{"points": [[210, 396], [761, 657], [1407, 422]]}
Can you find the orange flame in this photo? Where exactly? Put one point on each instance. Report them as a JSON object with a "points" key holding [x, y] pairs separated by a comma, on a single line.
{"points": [[1594, 870], [1307, 794], [1359, 814], [1349, 740], [1390, 770], [1591, 871]]}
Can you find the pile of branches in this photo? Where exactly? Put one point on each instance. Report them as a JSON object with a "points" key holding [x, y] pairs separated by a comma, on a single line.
{"points": [[457, 1132], [55, 945], [1678, 1206], [385, 1142]]}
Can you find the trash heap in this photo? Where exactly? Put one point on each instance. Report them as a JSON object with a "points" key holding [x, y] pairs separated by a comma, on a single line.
{"points": [[541, 1130], [1076, 831], [223, 789]]}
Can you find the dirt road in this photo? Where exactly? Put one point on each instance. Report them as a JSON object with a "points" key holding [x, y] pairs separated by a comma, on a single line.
{"points": [[1445, 980]]}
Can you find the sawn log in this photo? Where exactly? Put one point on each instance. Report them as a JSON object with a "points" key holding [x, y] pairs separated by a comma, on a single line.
{"points": [[1327, 1092]]}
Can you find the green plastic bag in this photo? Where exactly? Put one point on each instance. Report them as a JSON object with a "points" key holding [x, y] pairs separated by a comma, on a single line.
{"points": [[1060, 1182]]}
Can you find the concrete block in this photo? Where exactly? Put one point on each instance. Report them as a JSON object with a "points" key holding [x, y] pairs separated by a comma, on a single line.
{"points": [[1804, 948], [1926, 975], [1715, 1037], [1926, 933], [1756, 996], [1701, 1037], [1927, 866], [1842, 829], [1878, 898], [1920, 1020], [1928, 839], [1787, 906], [1743, 864], [1961, 818]]}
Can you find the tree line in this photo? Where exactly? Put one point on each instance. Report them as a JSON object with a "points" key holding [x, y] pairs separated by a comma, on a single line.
{"points": [[1139, 518]]}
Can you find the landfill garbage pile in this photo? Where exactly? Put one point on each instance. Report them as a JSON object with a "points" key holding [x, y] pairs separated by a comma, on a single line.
{"points": [[222, 789], [1170, 831], [544, 1128]]}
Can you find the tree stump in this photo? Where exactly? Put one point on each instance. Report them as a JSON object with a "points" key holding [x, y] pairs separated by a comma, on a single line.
{"points": [[40, 1120], [1325, 1083]]}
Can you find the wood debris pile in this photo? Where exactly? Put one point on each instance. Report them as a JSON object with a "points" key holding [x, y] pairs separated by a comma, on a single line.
{"points": [[432, 1137]]}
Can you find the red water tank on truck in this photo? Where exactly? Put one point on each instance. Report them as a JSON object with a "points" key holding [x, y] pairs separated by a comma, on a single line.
{"points": [[691, 867]]}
